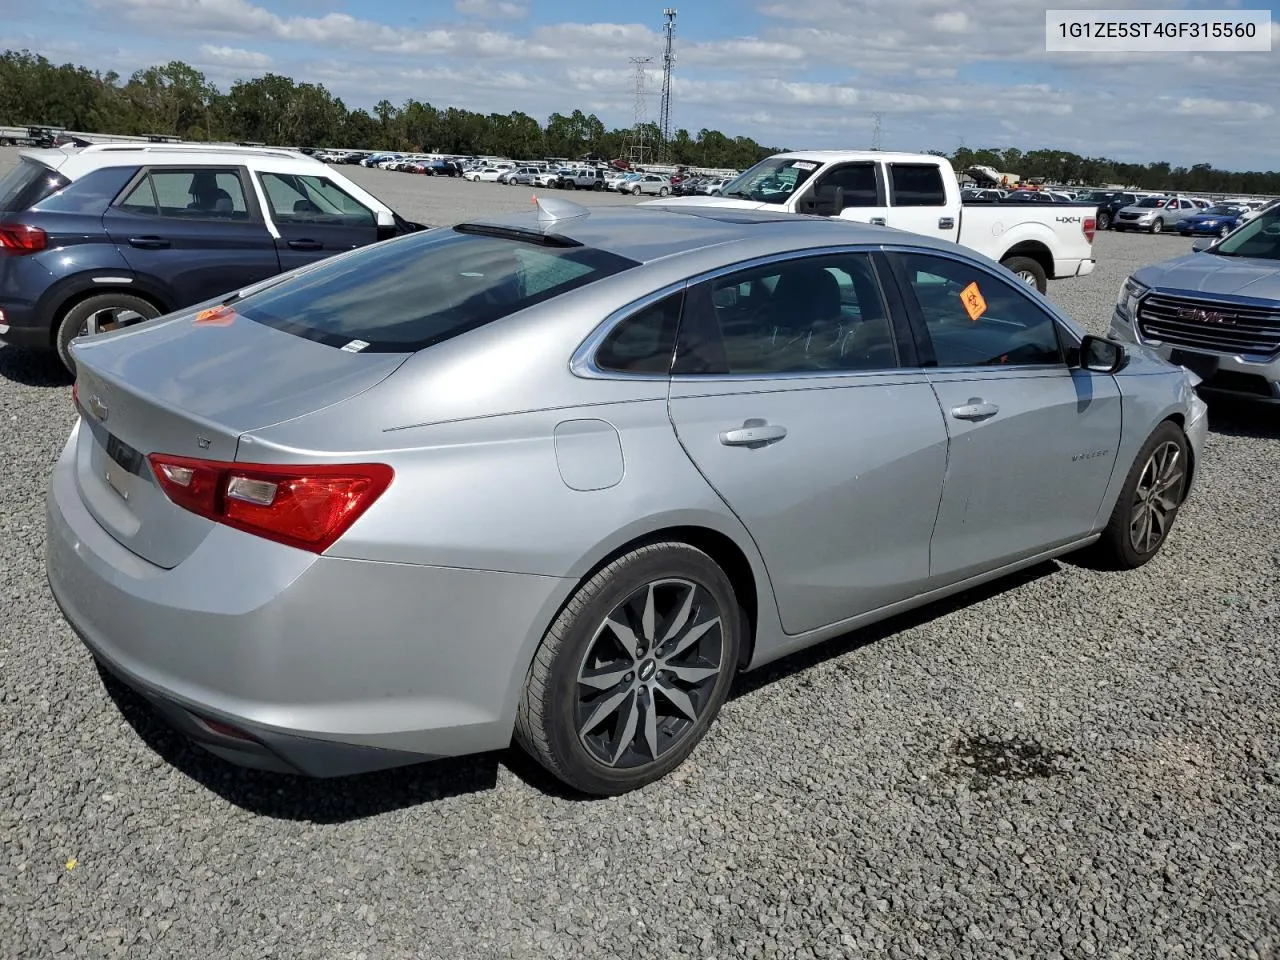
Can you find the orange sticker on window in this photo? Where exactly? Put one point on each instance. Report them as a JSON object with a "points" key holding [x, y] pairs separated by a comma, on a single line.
{"points": [[974, 304], [221, 316]]}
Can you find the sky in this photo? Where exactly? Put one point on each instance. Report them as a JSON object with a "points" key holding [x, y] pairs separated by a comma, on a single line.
{"points": [[795, 73]]}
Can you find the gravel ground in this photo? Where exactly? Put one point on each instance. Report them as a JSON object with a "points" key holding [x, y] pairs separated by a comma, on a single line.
{"points": [[1067, 764]]}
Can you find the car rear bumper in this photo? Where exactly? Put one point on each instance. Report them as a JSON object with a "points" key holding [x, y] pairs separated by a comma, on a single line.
{"points": [[318, 665], [21, 326]]}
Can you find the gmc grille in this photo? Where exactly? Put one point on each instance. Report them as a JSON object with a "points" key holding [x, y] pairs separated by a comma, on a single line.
{"points": [[1223, 327]]}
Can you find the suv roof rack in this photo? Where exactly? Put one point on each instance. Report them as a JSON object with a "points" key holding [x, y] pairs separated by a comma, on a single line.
{"points": [[117, 147]]}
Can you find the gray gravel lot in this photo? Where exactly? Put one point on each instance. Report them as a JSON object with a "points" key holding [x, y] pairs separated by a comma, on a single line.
{"points": [[1069, 764]]}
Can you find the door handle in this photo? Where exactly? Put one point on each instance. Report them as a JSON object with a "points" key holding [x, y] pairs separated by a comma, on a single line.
{"points": [[947, 223], [975, 409], [305, 245], [753, 433], [149, 243], [877, 221]]}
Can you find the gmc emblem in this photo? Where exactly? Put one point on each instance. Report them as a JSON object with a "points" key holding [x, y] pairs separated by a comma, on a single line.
{"points": [[1197, 315]]}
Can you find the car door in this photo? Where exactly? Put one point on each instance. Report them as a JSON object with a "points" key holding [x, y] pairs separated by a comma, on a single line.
{"points": [[1032, 440], [918, 200], [315, 217], [192, 232], [862, 188], [798, 401]]}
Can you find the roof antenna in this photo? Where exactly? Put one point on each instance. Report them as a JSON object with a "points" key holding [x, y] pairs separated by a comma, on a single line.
{"points": [[551, 209]]}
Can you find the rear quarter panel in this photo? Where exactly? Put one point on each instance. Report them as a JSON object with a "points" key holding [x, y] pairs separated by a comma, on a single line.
{"points": [[996, 229]]}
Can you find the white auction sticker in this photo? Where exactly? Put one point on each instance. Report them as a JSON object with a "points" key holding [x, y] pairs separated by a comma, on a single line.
{"points": [[1230, 30]]}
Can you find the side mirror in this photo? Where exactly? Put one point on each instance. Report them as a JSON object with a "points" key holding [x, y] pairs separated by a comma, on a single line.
{"points": [[823, 202], [1201, 243], [1102, 356]]}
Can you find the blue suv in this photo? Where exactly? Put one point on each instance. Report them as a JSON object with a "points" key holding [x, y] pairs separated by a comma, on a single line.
{"points": [[99, 237]]}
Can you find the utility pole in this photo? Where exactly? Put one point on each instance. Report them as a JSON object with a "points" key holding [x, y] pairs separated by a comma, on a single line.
{"points": [[638, 149], [668, 63], [876, 132]]}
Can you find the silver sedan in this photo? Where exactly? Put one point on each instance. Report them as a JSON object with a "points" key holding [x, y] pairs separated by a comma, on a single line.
{"points": [[563, 476]]}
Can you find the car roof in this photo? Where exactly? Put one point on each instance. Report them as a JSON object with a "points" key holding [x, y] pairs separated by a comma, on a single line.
{"points": [[652, 231], [75, 162]]}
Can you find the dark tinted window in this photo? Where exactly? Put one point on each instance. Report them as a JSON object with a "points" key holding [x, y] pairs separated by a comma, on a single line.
{"points": [[917, 185], [407, 294], [645, 341], [91, 194], [976, 320], [27, 184], [857, 180], [813, 315]]}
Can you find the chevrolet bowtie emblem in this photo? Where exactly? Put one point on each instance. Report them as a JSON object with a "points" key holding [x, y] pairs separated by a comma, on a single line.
{"points": [[98, 407]]}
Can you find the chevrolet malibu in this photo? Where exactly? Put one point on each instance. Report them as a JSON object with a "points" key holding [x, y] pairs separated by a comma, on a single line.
{"points": [[563, 476]]}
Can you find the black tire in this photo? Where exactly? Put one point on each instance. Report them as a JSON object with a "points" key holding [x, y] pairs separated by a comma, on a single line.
{"points": [[1104, 221], [1024, 268], [1116, 550], [663, 191], [1157, 226], [74, 321], [547, 721]]}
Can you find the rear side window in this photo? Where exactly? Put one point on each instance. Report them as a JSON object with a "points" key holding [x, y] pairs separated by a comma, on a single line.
{"points": [[189, 195], [644, 342], [27, 184], [405, 295], [917, 185], [91, 194]]}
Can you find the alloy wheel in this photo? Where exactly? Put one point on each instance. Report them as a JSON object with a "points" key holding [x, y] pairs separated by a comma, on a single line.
{"points": [[1027, 277], [649, 673], [1157, 496], [112, 318]]}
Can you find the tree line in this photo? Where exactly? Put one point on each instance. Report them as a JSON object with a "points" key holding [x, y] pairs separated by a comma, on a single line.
{"points": [[177, 99]]}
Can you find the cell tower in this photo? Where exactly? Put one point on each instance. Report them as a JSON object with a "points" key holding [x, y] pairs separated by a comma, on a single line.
{"points": [[876, 137], [668, 62], [638, 148]]}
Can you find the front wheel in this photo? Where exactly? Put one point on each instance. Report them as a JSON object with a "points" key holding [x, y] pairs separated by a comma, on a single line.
{"points": [[635, 192], [99, 314], [1223, 230], [1104, 221], [632, 673], [1157, 227], [1028, 271], [1149, 501]]}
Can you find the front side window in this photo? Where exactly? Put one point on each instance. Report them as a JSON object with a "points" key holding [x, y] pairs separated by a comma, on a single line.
{"points": [[858, 183], [296, 198], [645, 341], [975, 320], [405, 295], [814, 315], [917, 185], [189, 195]]}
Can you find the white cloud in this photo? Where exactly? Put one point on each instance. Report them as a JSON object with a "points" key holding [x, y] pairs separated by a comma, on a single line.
{"points": [[234, 57], [491, 9]]}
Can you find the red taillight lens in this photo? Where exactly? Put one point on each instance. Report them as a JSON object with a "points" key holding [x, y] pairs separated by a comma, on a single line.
{"points": [[308, 506], [20, 238], [75, 394], [1090, 227]]}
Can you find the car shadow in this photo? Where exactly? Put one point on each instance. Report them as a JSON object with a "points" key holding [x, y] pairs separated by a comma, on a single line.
{"points": [[802, 660], [32, 368], [344, 799], [1233, 417]]}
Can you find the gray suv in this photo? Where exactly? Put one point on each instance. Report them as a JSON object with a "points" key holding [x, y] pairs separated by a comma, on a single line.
{"points": [[1215, 311], [1154, 214]]}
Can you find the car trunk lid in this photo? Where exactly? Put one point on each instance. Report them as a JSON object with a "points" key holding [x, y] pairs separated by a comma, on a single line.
{"points": [[191, 389]]}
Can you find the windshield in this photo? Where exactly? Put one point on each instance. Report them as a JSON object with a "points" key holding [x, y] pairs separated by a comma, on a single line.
{"points": [[771, 181], [1095, 197], [427, 288], [1259, 239], [1223, 211], [1151, 202]]}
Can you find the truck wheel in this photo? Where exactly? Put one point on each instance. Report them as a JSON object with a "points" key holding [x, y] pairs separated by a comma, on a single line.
{"points": [[1104, 221], [1028, 271], [1157, 227]]}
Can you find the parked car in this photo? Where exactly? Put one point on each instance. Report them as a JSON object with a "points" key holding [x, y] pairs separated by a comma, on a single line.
{"points": [[982, 195], [654, 184], [1154, 214], [520, 175], [917, 192], [1255, 211], [581, 178], [547, 178], [112, 234], [487, 174], [293, 533], [1215, 311], [1216, 221]]}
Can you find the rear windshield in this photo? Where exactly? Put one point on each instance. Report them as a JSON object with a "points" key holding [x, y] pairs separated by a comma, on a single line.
{"points": [[405, 295], [26, 184]]}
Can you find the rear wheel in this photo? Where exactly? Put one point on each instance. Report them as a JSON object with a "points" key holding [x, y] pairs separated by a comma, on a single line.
{"points": [[99, 314], [663, 191], [1104, 221], [1028, 271], [634, 670], [1149, 501], [1223, 230]]}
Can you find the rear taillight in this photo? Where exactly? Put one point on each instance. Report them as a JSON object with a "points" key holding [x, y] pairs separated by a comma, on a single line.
{"points": [[75, 394], [20, 238], [1090, 227], [307, 506]]}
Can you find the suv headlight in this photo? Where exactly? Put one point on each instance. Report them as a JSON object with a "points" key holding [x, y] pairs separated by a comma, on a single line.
{"points": [[1131, 291]]}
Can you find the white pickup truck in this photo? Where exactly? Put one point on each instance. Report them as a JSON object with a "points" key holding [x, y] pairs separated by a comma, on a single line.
{"points": [[918, 193]]}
